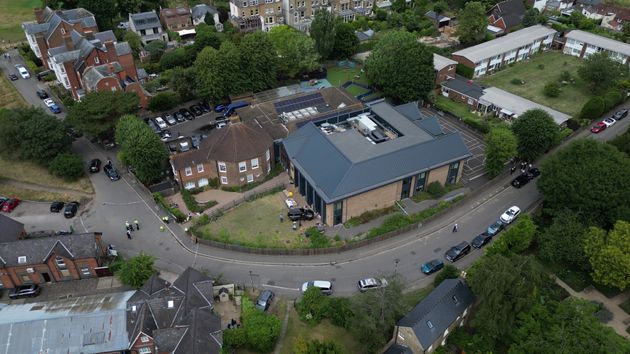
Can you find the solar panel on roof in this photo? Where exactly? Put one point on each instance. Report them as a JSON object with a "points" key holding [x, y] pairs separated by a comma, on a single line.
{"points": [[298, 103]]}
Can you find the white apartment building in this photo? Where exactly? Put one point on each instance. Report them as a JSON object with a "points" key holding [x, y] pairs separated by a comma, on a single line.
{"points": [[582, 44]]}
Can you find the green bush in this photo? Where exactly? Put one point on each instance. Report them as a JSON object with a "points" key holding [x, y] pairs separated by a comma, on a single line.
{"points": [[312, 306], [164, 101], [436, 189], [67, 166], [234, 338], [339, 311], [552, 89], [193, 205], [541, 66], [368, 216], [565, 76], [478, 124], [318, 239], [593, 109], [612, 98], [158, 198], [465, 71], [448, 272], [516, 81]]}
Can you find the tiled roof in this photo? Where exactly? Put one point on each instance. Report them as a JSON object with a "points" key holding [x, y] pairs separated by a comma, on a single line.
{"points": [[37, 250], [512, 12], [145, 20]]}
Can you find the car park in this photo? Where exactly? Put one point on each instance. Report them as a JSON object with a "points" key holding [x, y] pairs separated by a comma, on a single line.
{"points": [[621, 114], [323, 285], [495, 228], [196, 111], [160, 122], [95, 165], [22, 71], [170, 119], [457, 252], [111, 172], [184, 146], [42, 94], [432, 266], [21, 291], [179, 117], [481, 240], [598, 127], [13, 77], [10, 204], [264, 300], [295, 214], [510, 215], [371, 283], [71, 210], [186, 114], [525, 177]]}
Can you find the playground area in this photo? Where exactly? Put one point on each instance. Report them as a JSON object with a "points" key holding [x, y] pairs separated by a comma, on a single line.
{"points": [[352, 78]]}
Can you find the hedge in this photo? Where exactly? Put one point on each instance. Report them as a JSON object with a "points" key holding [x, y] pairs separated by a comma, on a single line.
{"points": [[193, 205], [177, 214], [465, 71], [399, 221]]}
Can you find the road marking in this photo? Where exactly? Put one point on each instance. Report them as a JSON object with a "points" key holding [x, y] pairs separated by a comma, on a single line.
{"points": [[82, 224], [129, 203], [280, 287]]}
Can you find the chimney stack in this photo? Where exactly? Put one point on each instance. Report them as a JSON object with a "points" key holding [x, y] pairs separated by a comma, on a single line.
{"points": [[111, 51]]}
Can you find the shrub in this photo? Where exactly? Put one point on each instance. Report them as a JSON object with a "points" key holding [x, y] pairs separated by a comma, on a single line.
{"points": [[478, 124], [465, 71], [593, 109], [448, 272], [177, 214], [67, 166], [612, 98], [313, 306], [436, 189], [193, 205], [552, 89], [565, 76], [516, 81], [541, 66], [164, 101], [234, 338], [573, 124], [368, 216], [318, 239], [339, 311]]}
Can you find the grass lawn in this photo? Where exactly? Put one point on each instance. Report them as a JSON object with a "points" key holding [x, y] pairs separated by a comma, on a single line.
{"points": [[572, 96], [256, 224], [36, 195], [9, 97], [30, 172], [323, 331], [337, 76], [12, 14], [355, 90]]}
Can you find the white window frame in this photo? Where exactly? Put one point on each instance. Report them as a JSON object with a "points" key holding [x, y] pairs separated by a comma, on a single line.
{"points": [[255, 163], [203, 182], [250, 178], [188, 171], [267, 155], [189, 185], [222, 166], [242, 166], [86, 271], [144, 350], [224, 180], [199, 167]]}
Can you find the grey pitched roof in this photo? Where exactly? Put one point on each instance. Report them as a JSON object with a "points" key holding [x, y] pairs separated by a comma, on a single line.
{"points": [[72, 16], [398, 349], [122, 48], [440, 62], [105, 36], [345, 163], [436, 17], [512, 12], [198, 11], [37, 250], [11, 229], [464, 86], [33, 27], [602, 42], [145, 20], [94, 74], [364, 35], [438, 311], [517, 104], [430, 124]]}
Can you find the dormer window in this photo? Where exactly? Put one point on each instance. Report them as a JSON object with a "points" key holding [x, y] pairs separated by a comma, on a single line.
{"points": [[22, 259]]}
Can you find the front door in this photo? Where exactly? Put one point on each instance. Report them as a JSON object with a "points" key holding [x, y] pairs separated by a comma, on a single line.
{"points": [[406, 187], [46, 277]]}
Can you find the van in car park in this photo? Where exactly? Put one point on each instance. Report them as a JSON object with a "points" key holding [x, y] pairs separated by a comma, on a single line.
{"points": [[323, 285]]}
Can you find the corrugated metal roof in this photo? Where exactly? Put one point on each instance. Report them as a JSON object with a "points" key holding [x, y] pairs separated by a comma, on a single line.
{"points": [[602, 42], [517, 104], [500, 45]]}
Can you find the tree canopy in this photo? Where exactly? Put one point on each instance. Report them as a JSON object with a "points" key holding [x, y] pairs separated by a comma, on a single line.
{"points": [[259, 62], [104, 12], [501, 146], [608, 253], [401, 67], [516, 239], [261, 329], [323, 32], [140, 148], [472, 23], [346, 42], [135, 271], [97, 112], [536, 132], [533, 17], [296, 51], [563, 241], [156, 49], [601, 72], [207, 36]]}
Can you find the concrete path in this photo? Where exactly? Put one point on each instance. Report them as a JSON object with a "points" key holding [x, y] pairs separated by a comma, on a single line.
{"points": [[283, 330], [620, 320]]}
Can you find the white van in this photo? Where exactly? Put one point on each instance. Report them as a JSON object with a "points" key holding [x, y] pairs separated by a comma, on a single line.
{"points": [[323, 285]]}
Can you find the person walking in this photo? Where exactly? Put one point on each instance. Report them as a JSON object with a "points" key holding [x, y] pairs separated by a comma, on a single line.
{"points": [[455, 228], [512, 169], [281, 218], [129, 234], [127, 225], [137, 224]]}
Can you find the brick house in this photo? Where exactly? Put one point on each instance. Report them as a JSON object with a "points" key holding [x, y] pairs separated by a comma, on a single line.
{"points": [[507, 14], [174, 318], [50, 259], [178, 20], [445, 68], [345, 165], [237, 154], [112, 77], [199, 13], [252, 15], [462, 90]]}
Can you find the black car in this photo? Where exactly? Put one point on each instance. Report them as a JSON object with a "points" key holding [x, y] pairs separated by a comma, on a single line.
{"points": [[13, 77], [95, 165], [187, 114], [495, 228], [295, 214], [179, 117], [111, 172], [205, 107], [55, 207], [457, 252], [42, 94], [481, 240], [196, 110], [525, 177], [172, 147], [71, 210], [620, 114], [21, 291]]}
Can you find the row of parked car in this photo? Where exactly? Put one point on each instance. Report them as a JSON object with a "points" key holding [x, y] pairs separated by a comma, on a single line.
{"points": [[7, 205], [609, 122], [69, 209], [460, 250], [158, 124]]}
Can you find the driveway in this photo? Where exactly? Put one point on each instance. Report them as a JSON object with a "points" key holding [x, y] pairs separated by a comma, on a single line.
{"points": [[36, 216]]}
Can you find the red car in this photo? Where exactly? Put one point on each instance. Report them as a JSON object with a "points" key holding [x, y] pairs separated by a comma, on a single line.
{"points": [[598, 127], [10, 204]]}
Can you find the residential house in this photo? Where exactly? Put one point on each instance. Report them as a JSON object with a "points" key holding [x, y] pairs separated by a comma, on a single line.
{"points": [[347, 164], [11, 229], [582, 44], [445, 68], [507, 14], [174, 318], [199, 13], [299, 13], [513, 47], [50, 259], [85, 324], [178, 20], [553, 5], [426, 326], [612, 17], [462, 90], [224, 156], [509, 106], [439, 21], [113, 77], [147, 25], [253, 15]]}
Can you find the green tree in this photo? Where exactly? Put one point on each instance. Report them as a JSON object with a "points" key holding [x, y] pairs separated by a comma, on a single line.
{"points": [[104, 12], [296, 51], [209, 79], [209, 20], [440, 7], [259, 62], [164, 101], [346, 42], [596, 189], [230, 66], [173, 58], [97, 112], [323, 32], [516, 239], [183, 82], [207, 36], [261, 329], [156, 49], [141, 148], [501, 146], [533, 17], [448, 272], [625, 32], [401, 67], [472, 23], [536, 132], [608, 255], [601, 72], [593, 109], [134, 41], [312, 306], [67, 166], [135, 271], [622, 143], [563, 241]]}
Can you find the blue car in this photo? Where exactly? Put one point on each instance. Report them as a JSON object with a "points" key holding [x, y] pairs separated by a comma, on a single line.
{"points": [[495, 228], [220, 108], [55, 109], [432, 266]]}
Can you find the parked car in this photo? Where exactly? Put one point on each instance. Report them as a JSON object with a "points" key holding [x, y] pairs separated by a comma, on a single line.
{"points": [[264, 300], [165, 134], [510, 215], [10, 204], [481, 240], [229, 109], [371, 283], [95, 165], [184, 146], [457, 252], [432, 266], [323, 285], [179, 117], [220, 108], [170, 119], [13, 77], [2, 201], [55, 207], [621, 114], [295, 214], [609, 122], [524, 178], [23, 72], [196, 141], [52, 105], [205, 107], [71, 210], [153, 126], [111, 172], [172, 147], [598, 127], [495, 228], [160, 122], [186, 114], [21, 291], [42, 94]]}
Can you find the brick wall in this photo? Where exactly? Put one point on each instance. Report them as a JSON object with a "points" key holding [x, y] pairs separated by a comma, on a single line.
{"points": [[444, 74], [375, 199]]}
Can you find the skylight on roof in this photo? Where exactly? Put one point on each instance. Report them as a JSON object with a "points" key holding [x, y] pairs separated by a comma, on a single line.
{"points": [[429, 324], [170, 304]]}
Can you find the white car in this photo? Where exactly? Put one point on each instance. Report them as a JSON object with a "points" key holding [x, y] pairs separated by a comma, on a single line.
{"points": [[161, 123], [323, 285], [510, 215], [609, 121], [23, 72], [371, 283], [49, 102]]}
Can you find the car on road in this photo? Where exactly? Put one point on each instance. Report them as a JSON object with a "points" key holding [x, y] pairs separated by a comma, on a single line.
{"points": [[23, 72], [179, 117], [52, 105], [495, 228], [457, 252], [55, 207], [95, 165], [621, 114], [264, 300], [13, 77], [598, 127], [323, 285], [296, 214], [160, 122], [481, 240], [10, 204], [42, 94], [111, 172], [170, 119], [510, 215], [71, 210], [21, 291], [432, 266], [196, 110], [524, 178], [371, 283]]}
